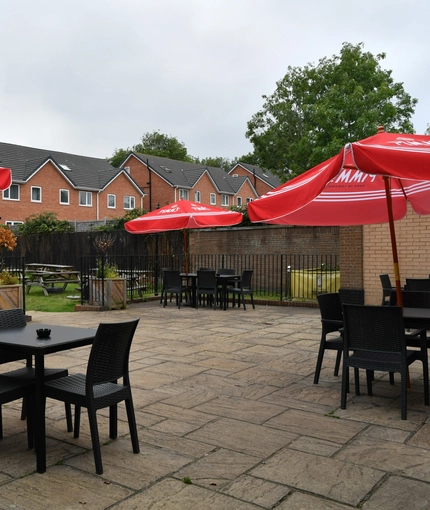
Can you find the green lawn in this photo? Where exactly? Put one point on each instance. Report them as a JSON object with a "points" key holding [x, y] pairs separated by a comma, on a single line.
{"points": [[54, 302]]}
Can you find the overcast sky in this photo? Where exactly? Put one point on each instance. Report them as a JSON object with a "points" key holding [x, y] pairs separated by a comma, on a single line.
{"points": [[89, 76]]}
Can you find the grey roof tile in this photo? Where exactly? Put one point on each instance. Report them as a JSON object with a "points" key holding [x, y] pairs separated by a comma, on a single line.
{"points": [[81, 171]]}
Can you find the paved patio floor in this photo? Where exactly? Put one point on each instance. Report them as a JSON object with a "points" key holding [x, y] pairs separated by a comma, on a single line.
{"points": [[226, 400]]}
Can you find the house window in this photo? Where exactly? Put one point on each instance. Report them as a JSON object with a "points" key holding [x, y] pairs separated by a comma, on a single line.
{"points": [[111, 201], [64, 196], [239, 201], [85, 198], [224, 200], [183, 194], [129, 202], [248, 200], [212, 199], [197, 196], [11, 193], [13, 223], [36, 194]]}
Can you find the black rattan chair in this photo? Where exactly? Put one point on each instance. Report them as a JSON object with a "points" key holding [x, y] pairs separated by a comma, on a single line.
{"points": [[331, 321], [243, 288], [15, 318], [418, 284], [172, 284], [12, 389], [163, 284], [206, 286], [374, 339], [98, 389], [386, 288]]}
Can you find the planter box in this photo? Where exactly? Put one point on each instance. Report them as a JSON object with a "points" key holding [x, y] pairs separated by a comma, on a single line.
{"points": [[110, 293], [11, 296]]}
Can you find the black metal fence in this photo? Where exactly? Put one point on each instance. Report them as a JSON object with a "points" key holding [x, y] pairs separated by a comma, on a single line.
{"points": [[275, 277]]}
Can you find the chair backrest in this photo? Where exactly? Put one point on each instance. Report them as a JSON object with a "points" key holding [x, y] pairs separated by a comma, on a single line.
{"points": [[246, 280], [206, 279], [12, 318], [226, 271], [352, 296], [412, 298], [422, 284], [172, 279], [110, 351], [374, 328], [385, 281], [330, 306], [206, 269]]}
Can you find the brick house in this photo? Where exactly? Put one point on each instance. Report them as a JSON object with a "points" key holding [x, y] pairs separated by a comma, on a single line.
{"points": [[262, 180], [74, 187], [166, 180]]}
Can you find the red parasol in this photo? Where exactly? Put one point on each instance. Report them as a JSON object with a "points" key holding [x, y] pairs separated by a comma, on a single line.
{"points": [[182, 215], [368, 182], [5, 178]]}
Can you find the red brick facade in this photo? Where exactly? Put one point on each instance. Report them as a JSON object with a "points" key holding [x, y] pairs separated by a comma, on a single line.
{"points": [[51, 181]]}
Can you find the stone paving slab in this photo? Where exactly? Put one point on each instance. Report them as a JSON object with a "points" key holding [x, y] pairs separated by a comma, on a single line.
{"points": [[226, 400]]}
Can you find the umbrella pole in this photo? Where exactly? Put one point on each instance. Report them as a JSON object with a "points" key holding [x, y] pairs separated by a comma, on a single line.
{"points": [[393, 242], [185, 251]]}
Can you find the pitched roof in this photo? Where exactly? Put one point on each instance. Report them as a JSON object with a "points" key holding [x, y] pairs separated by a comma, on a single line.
{"points": [[81, 171], [261, 173], [185, 175]]}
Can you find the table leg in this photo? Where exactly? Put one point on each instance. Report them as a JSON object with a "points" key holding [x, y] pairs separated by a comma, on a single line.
{"points": [[424, 355], [39, 417]]}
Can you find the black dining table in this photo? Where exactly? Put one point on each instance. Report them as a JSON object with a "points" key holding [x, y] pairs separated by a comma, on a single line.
{"points": [[24, 340], [419, 318]]}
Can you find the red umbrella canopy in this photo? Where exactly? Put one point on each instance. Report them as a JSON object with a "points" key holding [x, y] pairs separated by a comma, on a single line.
{"points": [[369, 181], [181, 215], [5, 178], [349, 189]]}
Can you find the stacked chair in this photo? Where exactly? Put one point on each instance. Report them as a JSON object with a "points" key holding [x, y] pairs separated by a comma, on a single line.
{"points": [[15, 318]]}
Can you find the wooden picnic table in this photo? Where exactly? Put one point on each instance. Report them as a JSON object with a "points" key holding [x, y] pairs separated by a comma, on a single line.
{"points": [[50, 277]]}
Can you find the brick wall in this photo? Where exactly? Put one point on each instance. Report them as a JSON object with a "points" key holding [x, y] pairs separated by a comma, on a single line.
{"points": [[270, 240], [413, 236], [351, 257]]}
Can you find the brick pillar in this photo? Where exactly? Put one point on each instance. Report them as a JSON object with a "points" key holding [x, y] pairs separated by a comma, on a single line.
{"points": [[351, 257]]}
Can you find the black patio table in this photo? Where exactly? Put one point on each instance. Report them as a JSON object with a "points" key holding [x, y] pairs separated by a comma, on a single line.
{"points": [[25, 341], [419, 318]]}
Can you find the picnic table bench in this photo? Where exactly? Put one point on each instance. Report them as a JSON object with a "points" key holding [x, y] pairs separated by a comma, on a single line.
{"points": [[50, 277]]}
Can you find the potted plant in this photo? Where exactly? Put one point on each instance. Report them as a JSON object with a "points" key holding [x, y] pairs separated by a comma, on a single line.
{"points": [[10, 287], [107, 289]]}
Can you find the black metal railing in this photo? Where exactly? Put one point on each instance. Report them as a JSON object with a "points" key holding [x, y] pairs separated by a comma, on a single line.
{"points": [[275, 277]]}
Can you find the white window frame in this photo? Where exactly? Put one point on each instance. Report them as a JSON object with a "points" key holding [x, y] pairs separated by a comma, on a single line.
{"points": [[11, 223], [212, 199], [239, 201], [34, 188], [197, 196], [111, 196], [224, 200], [129, 202], [7, 192], [183, 194], [248, 200], [88, 199], [68, 197]]}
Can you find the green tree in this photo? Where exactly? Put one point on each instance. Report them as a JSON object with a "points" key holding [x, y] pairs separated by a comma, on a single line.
{"points": [[315, 110], [118, 223], [44, 223], [217, 162], [154, 144]]}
